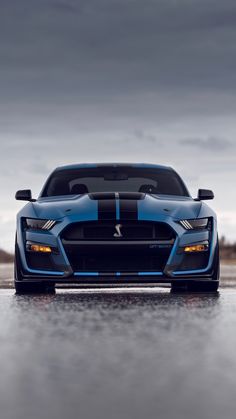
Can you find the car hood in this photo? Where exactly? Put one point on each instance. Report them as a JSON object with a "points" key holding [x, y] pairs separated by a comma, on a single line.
{"points": [[149, 207]]}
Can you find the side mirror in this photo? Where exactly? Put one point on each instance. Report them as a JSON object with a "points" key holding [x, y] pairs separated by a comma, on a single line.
{"points": [[24, 195], [205, 195]]}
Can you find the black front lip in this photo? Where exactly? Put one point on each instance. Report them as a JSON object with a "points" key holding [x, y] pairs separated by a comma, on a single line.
{"points": [[125, 278]]}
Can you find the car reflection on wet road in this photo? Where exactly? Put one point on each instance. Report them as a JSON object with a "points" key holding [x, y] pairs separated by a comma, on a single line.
{"points": [[118, 354]]}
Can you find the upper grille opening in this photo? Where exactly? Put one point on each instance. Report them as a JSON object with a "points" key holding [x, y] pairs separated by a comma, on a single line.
{"points": [[105, 230]]}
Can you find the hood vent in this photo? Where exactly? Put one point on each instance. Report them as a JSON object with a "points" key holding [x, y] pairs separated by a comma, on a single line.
{"points": [[136, 196]]}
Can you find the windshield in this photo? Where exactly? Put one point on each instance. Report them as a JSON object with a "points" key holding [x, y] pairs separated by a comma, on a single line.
{"points": [[114, 179]]}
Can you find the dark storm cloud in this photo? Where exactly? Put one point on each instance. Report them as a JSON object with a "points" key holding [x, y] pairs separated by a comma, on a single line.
{"points": [[100, 80], [66, 6], [114, 47], [82, 64], [211, 143]]}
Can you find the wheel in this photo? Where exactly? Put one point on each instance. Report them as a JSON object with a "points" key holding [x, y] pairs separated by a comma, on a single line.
{"points": [[27, 287], [196, 286], [210, 286]]}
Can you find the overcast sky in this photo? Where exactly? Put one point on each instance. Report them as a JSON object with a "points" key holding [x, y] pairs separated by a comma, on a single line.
{"points": [[118, 80]]}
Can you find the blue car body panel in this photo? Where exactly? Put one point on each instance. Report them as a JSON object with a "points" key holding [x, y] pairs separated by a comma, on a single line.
{"points": [[71, 210]]}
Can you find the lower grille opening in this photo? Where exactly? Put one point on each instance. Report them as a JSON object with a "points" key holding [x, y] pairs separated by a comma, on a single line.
{"points": [[117, 259]]}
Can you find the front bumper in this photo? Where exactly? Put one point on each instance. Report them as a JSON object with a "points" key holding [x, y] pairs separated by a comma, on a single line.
{"points": [[62, 271]]}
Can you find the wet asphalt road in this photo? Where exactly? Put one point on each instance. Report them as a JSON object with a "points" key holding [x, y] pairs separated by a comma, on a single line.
{"points": [[118, 354]]}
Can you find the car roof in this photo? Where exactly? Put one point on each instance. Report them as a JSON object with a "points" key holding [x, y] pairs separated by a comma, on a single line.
{"points": [[93, 165]]}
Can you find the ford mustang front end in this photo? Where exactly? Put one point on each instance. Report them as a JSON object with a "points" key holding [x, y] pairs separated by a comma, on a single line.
{"points": [[116, 224]]}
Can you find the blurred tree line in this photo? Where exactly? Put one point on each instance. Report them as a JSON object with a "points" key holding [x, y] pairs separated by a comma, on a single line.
{"points": [[6, 257], [227, 250]]}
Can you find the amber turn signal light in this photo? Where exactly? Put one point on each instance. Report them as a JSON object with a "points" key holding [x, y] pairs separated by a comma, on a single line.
{"points": [[40, 248], [196, 248]]}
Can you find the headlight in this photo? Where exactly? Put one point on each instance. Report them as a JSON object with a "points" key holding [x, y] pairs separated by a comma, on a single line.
{"points": [[197, 224], [37, 224]]}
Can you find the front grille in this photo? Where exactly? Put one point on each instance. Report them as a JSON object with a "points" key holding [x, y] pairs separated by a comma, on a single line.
{"points": [[106, 230], [93, 246]]}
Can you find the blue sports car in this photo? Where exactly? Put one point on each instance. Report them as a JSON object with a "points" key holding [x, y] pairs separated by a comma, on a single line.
{"points": [[117, 224]]}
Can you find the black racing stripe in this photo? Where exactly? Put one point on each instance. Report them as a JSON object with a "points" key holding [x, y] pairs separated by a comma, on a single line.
{"points": [[128, 209], [107, 209]]}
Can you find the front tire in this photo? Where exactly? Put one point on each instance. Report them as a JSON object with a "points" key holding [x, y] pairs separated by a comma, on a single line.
{"points": [[25, 287], [198, 286], [195, 286]]}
